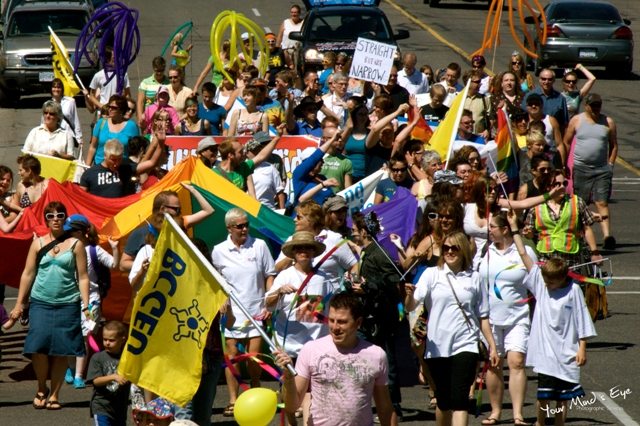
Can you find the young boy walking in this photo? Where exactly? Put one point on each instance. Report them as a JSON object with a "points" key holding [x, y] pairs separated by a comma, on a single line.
{"points": [[559, 331], [110, 390]]}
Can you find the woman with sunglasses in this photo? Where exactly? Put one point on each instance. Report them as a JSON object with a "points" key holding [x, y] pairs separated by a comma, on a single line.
{"points": [[562, 225], [56, 282], [49, 137], [115, 126], [574, 94], [458, 309], [398, 176], [509, 317], [518, 67]]}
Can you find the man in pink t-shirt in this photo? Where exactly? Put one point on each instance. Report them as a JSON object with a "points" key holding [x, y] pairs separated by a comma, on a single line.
{"points": [[343, 370]]}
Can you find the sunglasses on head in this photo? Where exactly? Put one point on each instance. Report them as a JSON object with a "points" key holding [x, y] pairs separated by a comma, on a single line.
{"points": [[447, 248], [59, 215]]}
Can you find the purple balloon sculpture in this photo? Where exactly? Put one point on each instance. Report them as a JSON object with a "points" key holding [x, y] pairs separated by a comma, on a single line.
{"points": [[112, 25]]}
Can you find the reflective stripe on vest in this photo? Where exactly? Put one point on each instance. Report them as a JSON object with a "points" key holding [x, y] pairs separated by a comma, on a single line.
{"points": [[561, 235]]}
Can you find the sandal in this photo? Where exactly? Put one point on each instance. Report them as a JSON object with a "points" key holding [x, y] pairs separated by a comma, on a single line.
{"points": [[40, 400], [228, 410], [53, 405], [520, 422], [433, 403], [490, 421]]}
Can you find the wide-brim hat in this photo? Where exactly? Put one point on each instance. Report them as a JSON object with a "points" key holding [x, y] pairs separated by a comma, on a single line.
{"points": [[298, 111], [206, 143], [303, 238]]}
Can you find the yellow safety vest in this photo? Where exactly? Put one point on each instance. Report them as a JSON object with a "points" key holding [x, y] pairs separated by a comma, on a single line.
{"points": [[561, 235]]}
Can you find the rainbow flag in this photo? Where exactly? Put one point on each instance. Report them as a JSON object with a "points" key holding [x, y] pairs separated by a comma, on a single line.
{"points": [[507, 152], [422, 131]]}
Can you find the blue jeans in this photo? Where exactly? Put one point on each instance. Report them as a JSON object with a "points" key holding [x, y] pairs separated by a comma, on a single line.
{"points": [[200, 407], [104, 420]]}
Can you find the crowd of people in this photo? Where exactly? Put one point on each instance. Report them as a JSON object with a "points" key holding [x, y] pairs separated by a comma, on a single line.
{"points": [[463, 281]]}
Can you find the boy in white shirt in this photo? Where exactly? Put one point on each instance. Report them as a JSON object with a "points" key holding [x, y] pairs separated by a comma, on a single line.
{"points": [[559, 331]]}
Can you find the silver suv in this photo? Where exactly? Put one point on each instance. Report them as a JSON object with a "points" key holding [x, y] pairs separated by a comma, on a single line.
{"points": [[25, 50]]}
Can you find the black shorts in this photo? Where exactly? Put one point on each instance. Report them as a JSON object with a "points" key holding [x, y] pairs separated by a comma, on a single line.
{"points": [[453, 377], [553, 389]]}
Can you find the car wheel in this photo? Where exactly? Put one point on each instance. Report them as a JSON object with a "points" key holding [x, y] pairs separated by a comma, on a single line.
{"points": [[8, 98], [434, 3], [620, 70]]}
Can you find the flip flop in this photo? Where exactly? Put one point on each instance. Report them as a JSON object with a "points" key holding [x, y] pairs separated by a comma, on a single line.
{"points": [[489, 421], [53, 405], [520, 422], [228, 411], [41, 398]]}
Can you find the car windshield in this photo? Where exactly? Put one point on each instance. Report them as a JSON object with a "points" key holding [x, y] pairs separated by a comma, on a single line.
{"points": [[349, 26], [63, 22], [585, 12]]}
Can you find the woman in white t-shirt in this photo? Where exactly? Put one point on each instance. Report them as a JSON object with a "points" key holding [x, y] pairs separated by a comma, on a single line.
{"points": [[458, 309], [502, 273]]}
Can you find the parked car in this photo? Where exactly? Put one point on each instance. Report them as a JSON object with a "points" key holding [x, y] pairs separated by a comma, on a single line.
{"points": [[586, 32], [335, 25], [25, 50]]}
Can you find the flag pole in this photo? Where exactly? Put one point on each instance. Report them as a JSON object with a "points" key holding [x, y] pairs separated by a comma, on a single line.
{"points": [[55, 36], [225, 286]]}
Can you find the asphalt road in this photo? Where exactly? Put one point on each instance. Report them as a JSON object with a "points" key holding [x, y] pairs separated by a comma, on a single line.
{"points": [[439, 36]]}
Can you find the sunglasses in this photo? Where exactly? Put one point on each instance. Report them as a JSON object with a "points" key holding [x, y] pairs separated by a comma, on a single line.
{"points": [[174, 77], [52, 216], [473, 159], [546, 79], [571, 81], [544, 169], [113, 107], [304, 248], [398, 170], [176, 209], [432, 216], [516, 62], [50, 114], [240, 226], [446, 248]]}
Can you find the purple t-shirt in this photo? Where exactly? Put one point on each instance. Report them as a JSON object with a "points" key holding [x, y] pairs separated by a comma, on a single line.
{"points": [[342, 380]]}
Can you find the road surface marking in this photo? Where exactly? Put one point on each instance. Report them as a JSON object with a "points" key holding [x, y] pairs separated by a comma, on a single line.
{"points": [[267, 30], [617, 411], [256, 12]]}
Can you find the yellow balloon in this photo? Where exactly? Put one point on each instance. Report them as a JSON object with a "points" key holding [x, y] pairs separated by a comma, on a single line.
{"points": [[183, 59], [255, 407]]}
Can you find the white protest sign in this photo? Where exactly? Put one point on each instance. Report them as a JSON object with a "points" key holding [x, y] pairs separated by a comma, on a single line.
{"points": [[372, 61]]}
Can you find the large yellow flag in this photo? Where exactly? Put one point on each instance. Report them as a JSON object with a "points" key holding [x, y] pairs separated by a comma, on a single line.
{"points": [[444, 135], [171, 317], [57, 168], [62, 68]]}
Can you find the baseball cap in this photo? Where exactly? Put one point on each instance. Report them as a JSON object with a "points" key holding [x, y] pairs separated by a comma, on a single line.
{"points": [[244, 36], [76, 222], [335, 203], [534, 98], [206, 143], [163, 89], [592, 98], [259, 138]]}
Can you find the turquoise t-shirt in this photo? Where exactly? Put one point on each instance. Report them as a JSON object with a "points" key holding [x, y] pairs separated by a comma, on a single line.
{"points": [[101, 131]]}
